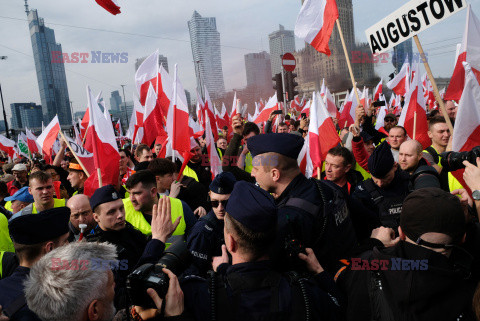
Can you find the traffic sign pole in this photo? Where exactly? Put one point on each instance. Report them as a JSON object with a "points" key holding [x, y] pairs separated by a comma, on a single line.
{"points": [[288, 63]]}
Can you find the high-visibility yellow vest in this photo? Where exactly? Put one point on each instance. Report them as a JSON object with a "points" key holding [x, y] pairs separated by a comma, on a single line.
{"points": [[248, 163], [140, 223], [6, 243], [187, 171], [8, 205], [220, 154], [453, 183], [1, 264], [366, 175], [57, 202]]}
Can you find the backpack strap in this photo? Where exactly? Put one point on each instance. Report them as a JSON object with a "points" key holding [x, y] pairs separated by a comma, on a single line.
{"points": [[373, 191], [379, 305], [433, 152], [15, 306]]}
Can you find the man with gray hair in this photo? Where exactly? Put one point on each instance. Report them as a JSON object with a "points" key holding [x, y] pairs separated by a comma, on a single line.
{"points": [[74, 282]]}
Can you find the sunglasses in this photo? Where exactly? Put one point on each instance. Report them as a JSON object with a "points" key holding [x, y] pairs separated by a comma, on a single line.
{"points": [[216, 203], [389, 120]]}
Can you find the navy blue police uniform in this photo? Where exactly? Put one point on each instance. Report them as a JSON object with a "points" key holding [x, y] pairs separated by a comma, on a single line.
{"points": [[206, 238], [29, 229], [254, 290], [133, 247], [311, 213], [386, 202]]}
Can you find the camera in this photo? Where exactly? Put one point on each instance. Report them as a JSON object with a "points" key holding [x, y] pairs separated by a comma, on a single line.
{"points": [[452, 161], [176, 258], [423, 177]]}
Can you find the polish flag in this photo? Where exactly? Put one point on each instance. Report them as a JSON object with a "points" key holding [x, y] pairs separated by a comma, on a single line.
{"points": [[110, 5], [84, 123], [306, 108], [32, 142], [413, 71], [200, 110], [138, 131], [177, 119], [147, 74], [221, 117], [347, 117], [164, 92], [195, 129], [415, 108], [298, 104], [271, 105], [315, 23], [152, 118], [401, 82], [235, 107], [215, 162], [7, 145], [211, 115], [364, 99], [131, 126], [378, 90], [102, 143], [322, 89], [381, 117], [118, 127], [466, 133], [320, 122], [330, 103], [469, 52], [47, 139]]}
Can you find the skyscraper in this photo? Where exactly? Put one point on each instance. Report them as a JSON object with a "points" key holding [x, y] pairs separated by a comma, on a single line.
{"points": [[162, 61], [52, 81], [115, 100], [26, 115], [258, 69], [207, 57], [400, 52], [281, 41]]}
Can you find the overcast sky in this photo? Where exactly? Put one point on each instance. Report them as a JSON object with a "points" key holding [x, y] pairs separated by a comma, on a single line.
{"points": [[145, 25]]}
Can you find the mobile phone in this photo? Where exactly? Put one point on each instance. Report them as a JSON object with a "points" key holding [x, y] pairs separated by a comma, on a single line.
{"points": [[378, 103], [276, 112], [303, 115]]}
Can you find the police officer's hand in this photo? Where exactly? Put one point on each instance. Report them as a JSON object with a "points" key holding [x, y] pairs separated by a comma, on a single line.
{"points": [[218, 260], [2, 316], [162, 226], [174, 305], [312, 263], [200, 212], [237, 124], [385, 235], [472, 175]]}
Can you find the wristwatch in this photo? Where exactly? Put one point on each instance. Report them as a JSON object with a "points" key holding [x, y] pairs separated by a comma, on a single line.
{"points": [[476, 195]]}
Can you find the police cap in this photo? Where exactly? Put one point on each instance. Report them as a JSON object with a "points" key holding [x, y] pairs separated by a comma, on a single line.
{"points": [[102, 195], [284, 144], [381, 161], [45, 226], [223, 183], [252, 207]]}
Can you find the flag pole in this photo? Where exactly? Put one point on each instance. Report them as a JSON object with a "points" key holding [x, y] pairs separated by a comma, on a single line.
{"points": [[434, 84], [99, 172], [85, 136], [347, 58], [74, 154], [415, 125]]}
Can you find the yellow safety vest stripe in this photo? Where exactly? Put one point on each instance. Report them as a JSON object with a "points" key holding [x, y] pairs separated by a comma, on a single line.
{"points": [[139, 222], [6, 243], [220, 153], [366, 175], [187, 171], [453, 183], [1, 264], [57, 202], [248, 163]]}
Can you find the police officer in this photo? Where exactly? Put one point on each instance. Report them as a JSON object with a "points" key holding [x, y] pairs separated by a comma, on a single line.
{"points": [[33, 237], [419, 276], [385, 191], [139, 206], [311, 213], [250, 289], [206, 239], [132, 246]]}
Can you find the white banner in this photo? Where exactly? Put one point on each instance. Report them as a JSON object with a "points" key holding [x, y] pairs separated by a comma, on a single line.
{"points": [[411, 19]]}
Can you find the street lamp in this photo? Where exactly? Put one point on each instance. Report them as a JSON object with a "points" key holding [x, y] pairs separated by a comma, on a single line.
{"points": [[3, 105]]}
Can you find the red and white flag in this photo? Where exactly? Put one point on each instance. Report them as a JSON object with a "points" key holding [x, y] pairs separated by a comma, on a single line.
{"points": [[211, 115], [177, 119], [323, 89], [306, 108], [200, 110], [118, 128], [215, 162], [235, 107], [466, 133], [400, 84], [330, 103], [222, 117], [414, 114], [32, 141], [271, 105], [102, 143], [83, 154], [347, 116], [138, 131], [110, 5], [320, 122], [364, 99], [315, 23], [152, 118], [378, 90], [146, 75], [7, 145], [469, 52], [47, 139], [83, 123]]}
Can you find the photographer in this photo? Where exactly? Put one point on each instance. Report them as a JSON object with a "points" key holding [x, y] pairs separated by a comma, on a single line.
{"points": [[246, 289]]}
